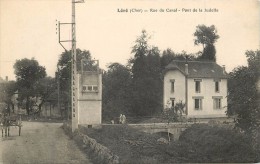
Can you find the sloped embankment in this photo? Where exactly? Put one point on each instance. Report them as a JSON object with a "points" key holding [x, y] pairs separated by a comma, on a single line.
{"points": [[98, 152]]}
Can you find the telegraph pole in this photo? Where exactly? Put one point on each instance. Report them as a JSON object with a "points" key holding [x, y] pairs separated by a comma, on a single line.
{"points": [[74, 77], [74, 88]]}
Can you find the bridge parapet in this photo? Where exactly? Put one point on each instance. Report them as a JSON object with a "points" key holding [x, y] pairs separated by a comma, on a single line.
{"points": [[175, 129]]}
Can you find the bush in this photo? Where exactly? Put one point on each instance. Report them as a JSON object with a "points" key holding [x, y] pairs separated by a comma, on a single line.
{"points": [[204, 143], [131, 145]]}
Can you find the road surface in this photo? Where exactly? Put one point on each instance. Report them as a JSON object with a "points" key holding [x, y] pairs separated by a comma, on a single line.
{"points": [[40, 143]]}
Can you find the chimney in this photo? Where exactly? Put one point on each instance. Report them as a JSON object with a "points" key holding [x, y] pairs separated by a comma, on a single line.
{"points": [[186, 68], [6, 78], [224, 69]]}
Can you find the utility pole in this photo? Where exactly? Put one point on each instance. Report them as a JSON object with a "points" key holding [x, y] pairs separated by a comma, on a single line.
{"points": [[74, 78], [58, 82], [74, 71]]}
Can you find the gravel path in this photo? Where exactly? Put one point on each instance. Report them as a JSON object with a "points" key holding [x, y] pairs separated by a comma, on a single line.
{"points": [[40, 143]]}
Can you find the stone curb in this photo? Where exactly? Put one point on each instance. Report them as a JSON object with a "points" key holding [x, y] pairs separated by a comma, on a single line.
{"points": [[99, 150]]}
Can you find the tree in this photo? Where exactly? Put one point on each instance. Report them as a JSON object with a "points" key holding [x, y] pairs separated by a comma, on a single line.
{"points": [[147, 84], [64, 71], [207, 36], [168, 55], [116, 94], [7, 90], [214, 144], [64, 65], [243, 97], [28, 73], [45, 88], [174, 113]]}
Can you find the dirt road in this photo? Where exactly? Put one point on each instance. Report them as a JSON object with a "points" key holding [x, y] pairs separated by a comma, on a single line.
{"points": [[40, 143]]}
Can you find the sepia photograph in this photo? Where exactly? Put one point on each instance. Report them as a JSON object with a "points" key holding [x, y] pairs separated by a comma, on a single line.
{"points": [[129, 81]]}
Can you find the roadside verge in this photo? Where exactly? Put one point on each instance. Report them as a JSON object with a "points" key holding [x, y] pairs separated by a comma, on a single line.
{"points": [[96, 151]]}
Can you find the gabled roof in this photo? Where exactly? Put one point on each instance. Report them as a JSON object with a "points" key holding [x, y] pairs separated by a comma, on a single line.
{"points": [[198, 69]]}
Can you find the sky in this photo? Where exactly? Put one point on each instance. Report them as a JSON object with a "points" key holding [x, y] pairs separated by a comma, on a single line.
{"points": [[28, 29]]}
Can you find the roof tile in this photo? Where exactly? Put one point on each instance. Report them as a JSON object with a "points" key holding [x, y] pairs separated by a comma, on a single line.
{"points": [[198, 69]]}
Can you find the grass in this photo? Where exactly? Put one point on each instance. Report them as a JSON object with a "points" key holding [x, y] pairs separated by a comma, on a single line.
{"points": [[200, 143], [130, 145]]}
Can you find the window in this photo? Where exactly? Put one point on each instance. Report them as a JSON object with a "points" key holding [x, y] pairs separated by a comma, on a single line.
{"points": [[198, 103], [89, 88], [217, 103], [84, 88], [216, 86], [172, 102], [197, 85], [172, 85], [95, 88]]}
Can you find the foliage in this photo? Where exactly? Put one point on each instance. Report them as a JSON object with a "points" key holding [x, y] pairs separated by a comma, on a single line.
{"points": [[207, 36], [205, 143], [242, 89], [64, 66], [63, 74], [209, 53], [199, 143], [243, 97], [7, 90], [116, 94], [28, 73], [168, 55], [140, 94], [146, 72], [131, 145], [174, 113], [45, 89]]}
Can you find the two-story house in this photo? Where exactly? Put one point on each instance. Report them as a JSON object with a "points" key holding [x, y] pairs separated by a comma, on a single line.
{"points": [[200, 85]]}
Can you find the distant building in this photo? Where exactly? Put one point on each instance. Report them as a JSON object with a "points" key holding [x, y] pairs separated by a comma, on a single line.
{"points": [[200, 85]]}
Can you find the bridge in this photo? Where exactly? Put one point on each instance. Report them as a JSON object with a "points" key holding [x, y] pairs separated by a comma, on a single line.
{"points": [[165, 129], [173, 129]]}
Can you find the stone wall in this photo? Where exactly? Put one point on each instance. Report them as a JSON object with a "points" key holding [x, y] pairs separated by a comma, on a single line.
{"points": [[102, 152]]}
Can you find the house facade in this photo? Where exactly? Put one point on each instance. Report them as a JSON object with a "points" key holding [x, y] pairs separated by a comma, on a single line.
{"points": [[90, 98], [200, 85]]}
